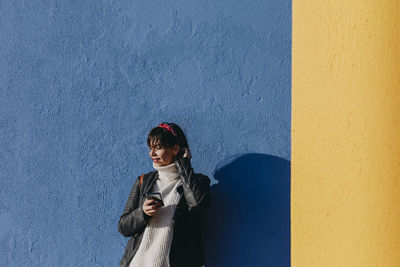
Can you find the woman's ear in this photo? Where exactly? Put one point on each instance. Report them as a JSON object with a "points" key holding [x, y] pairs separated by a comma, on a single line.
{"points": [[176, 149]]}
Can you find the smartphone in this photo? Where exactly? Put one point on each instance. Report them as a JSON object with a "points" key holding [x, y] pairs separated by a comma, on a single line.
{"points": [[156, 196]]}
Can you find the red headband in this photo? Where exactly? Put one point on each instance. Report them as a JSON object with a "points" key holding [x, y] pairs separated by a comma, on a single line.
{"points": [[168, 128]]}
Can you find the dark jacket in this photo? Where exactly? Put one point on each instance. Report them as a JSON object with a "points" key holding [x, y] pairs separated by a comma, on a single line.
{"points": [[186, 247]]}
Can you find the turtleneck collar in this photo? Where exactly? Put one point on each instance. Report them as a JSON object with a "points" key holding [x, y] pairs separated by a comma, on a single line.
{"points": [[168, 172]]}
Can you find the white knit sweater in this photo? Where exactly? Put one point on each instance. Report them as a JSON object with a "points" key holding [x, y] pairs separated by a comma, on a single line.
{"points": [[155, 245]]}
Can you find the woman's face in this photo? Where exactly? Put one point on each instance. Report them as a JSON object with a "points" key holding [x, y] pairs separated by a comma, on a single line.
{"points": [[162, 156]]}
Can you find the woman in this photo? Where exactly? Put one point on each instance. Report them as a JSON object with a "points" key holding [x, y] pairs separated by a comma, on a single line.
{"points": [[167, 232]]}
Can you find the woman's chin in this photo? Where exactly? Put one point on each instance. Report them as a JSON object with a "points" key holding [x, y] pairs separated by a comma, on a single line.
{"points": [[158, 164]]}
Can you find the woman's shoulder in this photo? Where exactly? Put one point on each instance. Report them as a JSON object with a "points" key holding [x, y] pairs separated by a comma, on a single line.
{"points": [[145, 176], [148, 175]]}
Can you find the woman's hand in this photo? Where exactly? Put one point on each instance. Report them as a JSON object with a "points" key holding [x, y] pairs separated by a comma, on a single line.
{"points": [[187, 153], [150, 206]]}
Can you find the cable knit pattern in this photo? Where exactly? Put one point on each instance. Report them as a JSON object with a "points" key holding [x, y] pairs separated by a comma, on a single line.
{"points": [[154, 248]]}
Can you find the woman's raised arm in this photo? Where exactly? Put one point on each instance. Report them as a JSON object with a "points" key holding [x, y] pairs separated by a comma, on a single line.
{"points": [[196, 187]]}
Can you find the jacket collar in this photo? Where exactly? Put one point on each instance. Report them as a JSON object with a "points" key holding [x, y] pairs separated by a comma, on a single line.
{"points": [[149, 182]]}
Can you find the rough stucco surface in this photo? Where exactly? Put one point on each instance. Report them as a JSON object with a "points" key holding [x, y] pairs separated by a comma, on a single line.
{"points": [[82, 83], [346, 137]]}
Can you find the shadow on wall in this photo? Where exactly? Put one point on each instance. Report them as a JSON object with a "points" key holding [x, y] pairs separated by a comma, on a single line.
{"points": [[248, 221]]}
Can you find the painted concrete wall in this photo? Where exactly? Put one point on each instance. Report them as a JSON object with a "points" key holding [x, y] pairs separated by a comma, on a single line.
{"points": [[82, 83], [346, 135]]}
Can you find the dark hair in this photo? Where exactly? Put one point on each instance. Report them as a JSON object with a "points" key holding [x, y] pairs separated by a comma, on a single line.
{"points": [[166, 138]]}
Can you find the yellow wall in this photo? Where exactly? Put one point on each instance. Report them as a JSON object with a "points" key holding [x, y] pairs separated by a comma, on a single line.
{"points": [[345, 205]]}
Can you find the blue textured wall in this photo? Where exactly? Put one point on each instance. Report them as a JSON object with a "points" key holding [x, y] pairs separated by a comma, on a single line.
{"points": [[82, 83]]}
